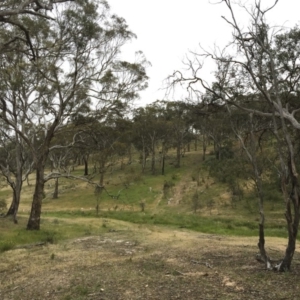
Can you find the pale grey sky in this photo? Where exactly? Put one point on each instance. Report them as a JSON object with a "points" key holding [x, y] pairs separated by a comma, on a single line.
{"points": [[167, 29]]}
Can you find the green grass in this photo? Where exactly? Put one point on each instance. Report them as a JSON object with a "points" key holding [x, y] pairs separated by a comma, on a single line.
{"points": [[212, 225], [52, 231]]}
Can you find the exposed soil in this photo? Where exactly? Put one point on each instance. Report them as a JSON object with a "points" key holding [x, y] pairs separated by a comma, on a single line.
{"points": [[146, 263]]}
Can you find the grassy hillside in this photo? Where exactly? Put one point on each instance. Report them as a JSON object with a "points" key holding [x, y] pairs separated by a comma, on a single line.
{"points": [[186, 197]]}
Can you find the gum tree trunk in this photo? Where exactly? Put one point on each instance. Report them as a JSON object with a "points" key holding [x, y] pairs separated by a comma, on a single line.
{"points": [[40, 159], [36, 207]]}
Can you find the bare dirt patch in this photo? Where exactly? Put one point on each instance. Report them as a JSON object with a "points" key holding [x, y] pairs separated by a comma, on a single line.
{"points": [[143, 262]]}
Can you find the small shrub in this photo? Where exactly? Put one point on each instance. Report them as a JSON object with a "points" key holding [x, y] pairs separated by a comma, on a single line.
{"points": [[167, 187]]}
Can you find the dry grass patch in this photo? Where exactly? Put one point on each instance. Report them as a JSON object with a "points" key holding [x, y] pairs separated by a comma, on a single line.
{"points": [[144, 262]]}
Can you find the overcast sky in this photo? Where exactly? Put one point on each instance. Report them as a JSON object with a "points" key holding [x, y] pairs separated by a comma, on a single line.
{"points": [[167, 29]]}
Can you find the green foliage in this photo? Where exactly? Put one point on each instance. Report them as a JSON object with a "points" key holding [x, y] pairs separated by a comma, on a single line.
{"points": [[226, 170]]}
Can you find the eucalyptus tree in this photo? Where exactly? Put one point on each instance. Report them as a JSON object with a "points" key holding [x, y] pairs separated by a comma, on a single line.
{"points": [[262, 61], [148, 131], [17, 82], [77, 67], [82, 123], [141, 139], [61, 159], [216, 127], [212, 121], [123, 145], [179, 116], [104, 143], [164, 124], [103, 139], [201, 127]]}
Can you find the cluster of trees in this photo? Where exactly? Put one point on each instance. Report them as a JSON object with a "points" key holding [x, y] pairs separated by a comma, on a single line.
{"points": [[59, 60], [65, 96], [101, 145], [257, 77]]}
